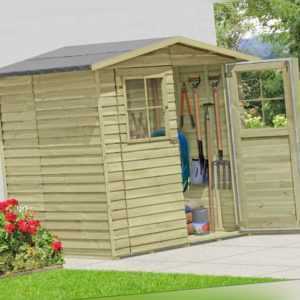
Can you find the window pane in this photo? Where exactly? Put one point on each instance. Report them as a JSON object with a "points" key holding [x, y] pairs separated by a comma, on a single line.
{"points": [[157, 119], [249, 85], [252, 114], [138, 128], [274, 113], [272, 84], [261, 95], [135, 89], [154, 90]]}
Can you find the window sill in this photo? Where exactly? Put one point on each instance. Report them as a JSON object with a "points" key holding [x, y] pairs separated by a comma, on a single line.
{"points": [[151, 140]]}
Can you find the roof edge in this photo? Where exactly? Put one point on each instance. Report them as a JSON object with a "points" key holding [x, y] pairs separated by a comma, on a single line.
{"points": [[45, 71], [169, 42]]}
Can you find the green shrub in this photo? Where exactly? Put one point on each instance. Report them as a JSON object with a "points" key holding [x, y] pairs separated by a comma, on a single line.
{"points": [[280, 121], [253, 121]]}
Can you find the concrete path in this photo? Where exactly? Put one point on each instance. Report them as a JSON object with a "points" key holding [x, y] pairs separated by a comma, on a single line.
{"points": [[276, 256]]}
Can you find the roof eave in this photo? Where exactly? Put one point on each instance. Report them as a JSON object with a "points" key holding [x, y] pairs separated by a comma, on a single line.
{"points": [[169, 42], [45, 71]]}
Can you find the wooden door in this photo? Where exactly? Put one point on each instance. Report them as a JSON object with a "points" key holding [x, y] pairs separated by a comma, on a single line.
{"points": [[262, 110]]}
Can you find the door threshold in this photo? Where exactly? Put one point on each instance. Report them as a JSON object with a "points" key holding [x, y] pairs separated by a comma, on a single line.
{"points": [[212, 237]]}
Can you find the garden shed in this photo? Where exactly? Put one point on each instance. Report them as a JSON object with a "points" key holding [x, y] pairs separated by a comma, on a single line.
{"points": [[89, 140]]}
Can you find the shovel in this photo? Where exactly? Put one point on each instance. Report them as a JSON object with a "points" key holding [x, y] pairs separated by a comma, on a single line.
{"points": [[195, 82], [221, 167]]}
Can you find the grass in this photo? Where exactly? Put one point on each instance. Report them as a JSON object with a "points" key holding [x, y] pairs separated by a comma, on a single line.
{"points": [[71, 285]]}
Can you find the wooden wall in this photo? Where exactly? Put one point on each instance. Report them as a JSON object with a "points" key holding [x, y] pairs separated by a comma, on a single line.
{"points": [[144, 179], [268, 184], [53, 156]]}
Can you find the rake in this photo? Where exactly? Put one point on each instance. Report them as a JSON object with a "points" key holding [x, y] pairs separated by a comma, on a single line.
{"points": [[221, 167]]}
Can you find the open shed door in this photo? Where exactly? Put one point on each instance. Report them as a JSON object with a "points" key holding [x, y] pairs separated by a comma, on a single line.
{"points": [[262, 111]]}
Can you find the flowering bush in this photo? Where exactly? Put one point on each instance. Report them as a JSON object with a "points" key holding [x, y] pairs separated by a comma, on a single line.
{"points": [[24, 243]]}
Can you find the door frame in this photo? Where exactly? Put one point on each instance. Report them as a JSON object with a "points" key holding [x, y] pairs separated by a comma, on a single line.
{"points": [[293, 108]]}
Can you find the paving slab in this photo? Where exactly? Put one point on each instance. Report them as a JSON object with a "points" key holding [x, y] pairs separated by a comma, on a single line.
{"points": [[275, 256]]}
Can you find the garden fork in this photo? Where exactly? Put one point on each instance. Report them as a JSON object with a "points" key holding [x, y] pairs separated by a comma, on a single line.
{"points": [[221, 167]]}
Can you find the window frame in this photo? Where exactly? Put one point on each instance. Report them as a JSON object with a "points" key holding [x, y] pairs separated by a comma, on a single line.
{"points": [[164, 108], [261, 99]]}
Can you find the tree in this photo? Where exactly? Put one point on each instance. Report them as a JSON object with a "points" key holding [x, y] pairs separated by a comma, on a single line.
{"points": [[231, 23], [278, 21]]}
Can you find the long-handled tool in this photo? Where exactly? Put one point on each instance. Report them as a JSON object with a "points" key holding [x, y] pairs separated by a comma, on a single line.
{"points": [[209, 150], [222, 167], [195, 83], [184, 98]]}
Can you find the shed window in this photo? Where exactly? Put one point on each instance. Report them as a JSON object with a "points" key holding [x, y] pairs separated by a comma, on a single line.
{"points": [[146, 115], [262, 99]]}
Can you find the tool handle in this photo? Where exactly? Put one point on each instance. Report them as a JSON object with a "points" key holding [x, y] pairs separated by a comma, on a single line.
{"points": [[210, 171], [181, 108], [218, 120], [197, 114], [189, 106]]}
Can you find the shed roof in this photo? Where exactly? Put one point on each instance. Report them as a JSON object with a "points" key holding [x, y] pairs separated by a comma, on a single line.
{"points": [[96, 56]]}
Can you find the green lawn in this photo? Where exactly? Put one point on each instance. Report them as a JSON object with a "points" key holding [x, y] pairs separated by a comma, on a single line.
{"points": [[69, 284]]}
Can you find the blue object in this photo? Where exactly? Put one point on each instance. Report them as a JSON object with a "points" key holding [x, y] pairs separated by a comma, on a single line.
{"points": [[184, 155]]}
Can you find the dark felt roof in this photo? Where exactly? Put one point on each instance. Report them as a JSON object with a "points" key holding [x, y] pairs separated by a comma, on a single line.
{"points": [[74, 57]]}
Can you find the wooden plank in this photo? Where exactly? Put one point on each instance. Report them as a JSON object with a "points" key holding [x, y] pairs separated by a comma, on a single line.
{"points": [[158, 237], [157, 218], [90, 244], [158, 227], [48, 170], [81, 235], [69, 112], [166, 197], [73, 188], [153, 209], [152, 181], [151, 172], [75, 216], [67, 141], [76, 102], [73, 160], [156, 190]]}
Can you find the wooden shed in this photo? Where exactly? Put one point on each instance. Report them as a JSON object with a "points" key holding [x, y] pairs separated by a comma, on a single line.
{"points": [[79, 143]]}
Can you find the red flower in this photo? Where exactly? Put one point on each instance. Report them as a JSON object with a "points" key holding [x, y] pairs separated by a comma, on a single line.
{"points": [[33, 226], [10, 228], [12, 202], [3, 206], [23, 226], [56, 246], [30, 226], [10, 217], [34, 223]]}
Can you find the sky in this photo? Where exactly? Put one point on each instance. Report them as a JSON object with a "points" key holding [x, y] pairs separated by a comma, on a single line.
{"points": [[31, 27]]}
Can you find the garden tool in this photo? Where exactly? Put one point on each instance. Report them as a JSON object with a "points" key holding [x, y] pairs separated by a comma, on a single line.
{"points": [[209, 150], [221, 167], [184, 98], [195, 83]]}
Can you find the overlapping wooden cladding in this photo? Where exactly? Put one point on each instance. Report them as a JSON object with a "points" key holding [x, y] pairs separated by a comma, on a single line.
{"points": [[53, 156], [147, 204]]}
